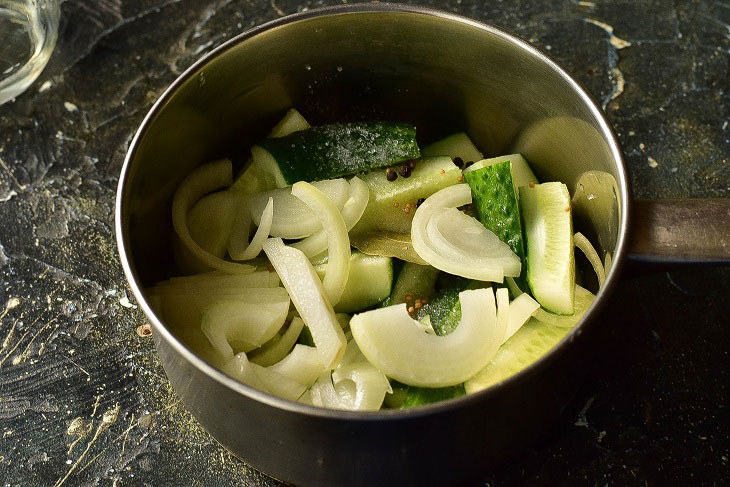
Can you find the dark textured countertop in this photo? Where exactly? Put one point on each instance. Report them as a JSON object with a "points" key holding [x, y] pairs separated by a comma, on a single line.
{"points": [[83, 399]]}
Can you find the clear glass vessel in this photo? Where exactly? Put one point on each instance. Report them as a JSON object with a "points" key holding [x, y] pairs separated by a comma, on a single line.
{"points": [[28, 33]]}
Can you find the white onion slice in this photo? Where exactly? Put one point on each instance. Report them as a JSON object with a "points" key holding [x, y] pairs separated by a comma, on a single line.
{"points": [[338, 242], [210, 220], [263, 378], [357, 382], [292, 122], [292, 218], [230, 324], [353, 210], [215, 279], [183, 307], [306, 292], [201, 181], [262, 233], [208, 294], [352, 355], [369, 386], [521, 310], [513, 287], [443, 244], [240, 227], [278, 347], [395, 344], [240, 369], [583, 300], [590, 252], [456, 235], [324, 395], [502, 296], [362, 388], [303, 364]]}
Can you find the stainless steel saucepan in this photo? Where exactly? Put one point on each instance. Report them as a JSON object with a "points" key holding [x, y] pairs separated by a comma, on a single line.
{"points": [[443, 73]]}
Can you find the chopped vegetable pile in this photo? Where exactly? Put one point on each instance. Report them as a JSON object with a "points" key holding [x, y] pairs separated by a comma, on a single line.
{"points": [[347, 268]]}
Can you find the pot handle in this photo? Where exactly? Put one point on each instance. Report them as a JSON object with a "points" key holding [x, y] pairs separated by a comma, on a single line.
{"points": [[671, 232]]}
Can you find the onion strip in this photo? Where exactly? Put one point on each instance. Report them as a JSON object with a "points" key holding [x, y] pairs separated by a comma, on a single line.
{"points": [[263, 378], [278, 347], [201, 181], [502, 297], [307, 293], [353, 210], [521, 310], [583, 300], [292, 218], [396, 344], [215, 280], [245, 325], [240, 228], [303, 364], [338, 242], [369, 386], [590, 252], [477, 255], [257, 242]]}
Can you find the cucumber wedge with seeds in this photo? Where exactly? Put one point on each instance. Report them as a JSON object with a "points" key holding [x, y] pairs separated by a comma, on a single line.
{"points": [[548, 224]]}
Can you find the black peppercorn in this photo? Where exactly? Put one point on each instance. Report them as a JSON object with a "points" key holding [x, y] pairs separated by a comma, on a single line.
{"points": [[420, 200], [404, 171], [391, 175], [411, 163], [458, 162], [468, 163]]}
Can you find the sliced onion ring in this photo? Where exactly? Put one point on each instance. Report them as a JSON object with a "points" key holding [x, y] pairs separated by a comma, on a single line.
{"points": [[590, 252], [583, 300], [201, 181], [257, 242], [353, 210], [306, 292], [479, 255], [278, 347], [292, 218], [338, 242], [395, 344]]}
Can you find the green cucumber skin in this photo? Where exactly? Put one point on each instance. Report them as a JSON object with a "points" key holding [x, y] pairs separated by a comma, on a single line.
{"points": [[414, 279], [331, 151], [445, 313], [420, 396], [305, 338], [495, 201], [445, 309]]}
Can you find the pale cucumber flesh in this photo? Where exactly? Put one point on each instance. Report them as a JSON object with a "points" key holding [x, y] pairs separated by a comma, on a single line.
{"points": [[548, 223], [368, 283], [532, 341], [393, 203], [415, 281], [455, 145]]}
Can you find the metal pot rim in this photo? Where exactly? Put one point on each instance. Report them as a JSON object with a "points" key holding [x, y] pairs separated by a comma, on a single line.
{"points": [[610, 283]]}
